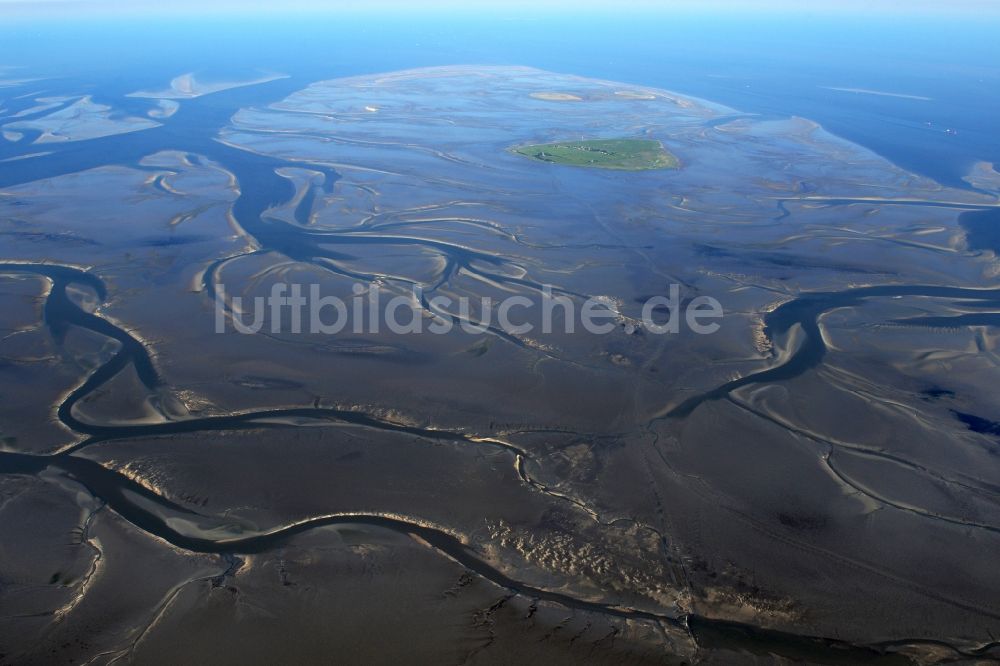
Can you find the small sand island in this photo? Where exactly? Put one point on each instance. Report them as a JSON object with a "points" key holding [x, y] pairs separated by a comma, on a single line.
{"points": [[621, 154], [556, 97]]}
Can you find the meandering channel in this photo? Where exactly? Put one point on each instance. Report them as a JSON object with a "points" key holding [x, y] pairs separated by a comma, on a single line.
{"points": [[261, 188]]}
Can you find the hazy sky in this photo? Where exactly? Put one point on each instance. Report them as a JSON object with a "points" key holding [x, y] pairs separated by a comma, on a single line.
{"points": [[58, 8]]}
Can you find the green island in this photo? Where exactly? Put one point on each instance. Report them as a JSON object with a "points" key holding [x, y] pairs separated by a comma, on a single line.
{"points": [[622, 154]]}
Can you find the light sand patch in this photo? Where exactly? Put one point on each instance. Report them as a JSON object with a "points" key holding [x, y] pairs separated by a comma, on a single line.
{"points": [[635, 94], [43, 104], [13, 83], [83, 119], [186, 86], [25, 157], [556, 97], [984, 176], [164, 109], [880, 93]]}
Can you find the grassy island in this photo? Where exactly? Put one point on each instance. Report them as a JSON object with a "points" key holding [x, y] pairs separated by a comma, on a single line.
{"points": [[621, 154]]}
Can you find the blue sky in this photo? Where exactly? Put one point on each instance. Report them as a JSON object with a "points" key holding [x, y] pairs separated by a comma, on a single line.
{"points": [[58, 8]]}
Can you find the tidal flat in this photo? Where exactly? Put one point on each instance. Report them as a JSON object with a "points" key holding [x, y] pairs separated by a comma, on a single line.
{"points": [[800, 484]]}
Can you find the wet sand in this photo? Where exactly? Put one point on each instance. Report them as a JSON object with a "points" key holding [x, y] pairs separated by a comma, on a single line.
{"points": [[811, 482]]}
